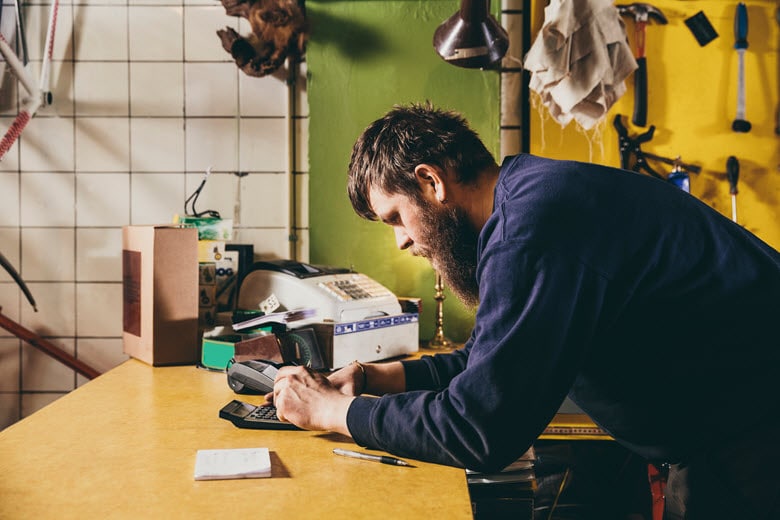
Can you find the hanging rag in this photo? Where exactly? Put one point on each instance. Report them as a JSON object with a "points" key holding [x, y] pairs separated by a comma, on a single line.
{"points": [[579, 60]]}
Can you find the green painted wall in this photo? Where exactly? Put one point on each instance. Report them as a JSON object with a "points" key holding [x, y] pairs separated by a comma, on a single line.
{"points": [[364, 57]]}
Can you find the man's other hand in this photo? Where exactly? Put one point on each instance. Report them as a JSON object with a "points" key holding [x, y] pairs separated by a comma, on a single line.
{"points": [[309, 400]]}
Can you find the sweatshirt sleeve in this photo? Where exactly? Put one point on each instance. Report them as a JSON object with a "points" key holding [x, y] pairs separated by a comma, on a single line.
{"points": [[435, 372], [537, 310]]}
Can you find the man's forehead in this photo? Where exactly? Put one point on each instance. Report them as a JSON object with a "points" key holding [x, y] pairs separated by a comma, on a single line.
{"points": [[382, 203], [378, 199]]}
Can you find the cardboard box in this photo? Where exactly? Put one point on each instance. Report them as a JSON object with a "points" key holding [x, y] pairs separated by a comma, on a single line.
{"points": [[160, 294]]}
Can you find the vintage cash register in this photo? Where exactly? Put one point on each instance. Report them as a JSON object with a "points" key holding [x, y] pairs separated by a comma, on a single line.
{"points": [[356, 318]]}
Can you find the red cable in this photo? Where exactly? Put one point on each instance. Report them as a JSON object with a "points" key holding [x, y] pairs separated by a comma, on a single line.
{"points": [[13, 132]]}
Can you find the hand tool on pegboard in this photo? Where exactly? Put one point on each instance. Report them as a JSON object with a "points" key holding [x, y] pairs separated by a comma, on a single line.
{"points": [[740, 123], [631, 148], [642, 14], [732, 174], [632, 157], [701, 28]]}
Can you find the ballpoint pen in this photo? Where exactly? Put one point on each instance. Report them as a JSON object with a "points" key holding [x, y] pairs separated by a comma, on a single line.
{"points": [[384, 459]]}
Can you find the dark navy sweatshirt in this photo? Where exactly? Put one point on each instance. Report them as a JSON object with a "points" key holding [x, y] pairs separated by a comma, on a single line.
{"points": [[654, 313]]}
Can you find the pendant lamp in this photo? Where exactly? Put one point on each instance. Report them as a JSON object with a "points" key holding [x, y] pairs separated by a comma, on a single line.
{"points": [[471, 38]]}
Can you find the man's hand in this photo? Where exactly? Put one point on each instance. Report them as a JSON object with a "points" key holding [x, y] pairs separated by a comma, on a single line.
{"points": [[349, 380], [309, 400]]}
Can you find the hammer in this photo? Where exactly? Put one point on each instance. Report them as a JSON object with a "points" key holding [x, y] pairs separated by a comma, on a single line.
{"points": [[642, 14]]}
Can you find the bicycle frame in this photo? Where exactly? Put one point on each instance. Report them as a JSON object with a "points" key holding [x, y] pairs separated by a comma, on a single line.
{"points": [[38, 94]]}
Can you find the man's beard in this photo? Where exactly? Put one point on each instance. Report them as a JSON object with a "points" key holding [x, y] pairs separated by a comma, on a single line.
{"points": [[451, 247]]}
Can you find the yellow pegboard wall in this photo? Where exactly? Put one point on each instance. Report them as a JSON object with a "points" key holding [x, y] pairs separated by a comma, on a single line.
{"points": [[692, 97]]}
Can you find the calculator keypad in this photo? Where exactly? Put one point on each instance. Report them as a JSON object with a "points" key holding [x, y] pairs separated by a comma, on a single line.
{"points": [[264, 413], [245, 415]]}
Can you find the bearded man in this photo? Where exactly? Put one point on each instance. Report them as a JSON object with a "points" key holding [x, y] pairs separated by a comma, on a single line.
{"points": [[655, 314]]}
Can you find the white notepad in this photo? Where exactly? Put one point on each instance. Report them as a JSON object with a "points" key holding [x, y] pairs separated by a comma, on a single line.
{"points": [[232, 463]]}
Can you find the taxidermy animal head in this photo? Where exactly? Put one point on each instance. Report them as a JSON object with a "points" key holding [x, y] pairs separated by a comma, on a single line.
{"points": [[278, 30]]}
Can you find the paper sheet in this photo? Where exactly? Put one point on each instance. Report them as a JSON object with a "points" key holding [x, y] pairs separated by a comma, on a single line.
{"points": [[232, 464]]}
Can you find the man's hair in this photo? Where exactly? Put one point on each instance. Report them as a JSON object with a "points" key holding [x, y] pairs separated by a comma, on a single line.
{"points": [[387, 152]]}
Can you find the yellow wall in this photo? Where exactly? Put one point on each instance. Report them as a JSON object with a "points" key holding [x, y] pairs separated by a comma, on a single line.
{"points": [[692, 102]]}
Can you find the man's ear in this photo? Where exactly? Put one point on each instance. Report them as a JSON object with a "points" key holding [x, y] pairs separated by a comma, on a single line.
{"points": [[431, 179]]}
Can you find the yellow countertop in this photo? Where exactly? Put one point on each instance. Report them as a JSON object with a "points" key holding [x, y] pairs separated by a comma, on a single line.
{"points": [[124, 445]]}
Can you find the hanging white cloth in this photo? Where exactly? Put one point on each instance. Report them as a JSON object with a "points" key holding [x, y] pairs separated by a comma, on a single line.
{"points": [[579, 60]]}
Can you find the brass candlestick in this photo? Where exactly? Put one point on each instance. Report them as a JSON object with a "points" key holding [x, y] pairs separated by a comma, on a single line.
{"points": [[439, 340]]}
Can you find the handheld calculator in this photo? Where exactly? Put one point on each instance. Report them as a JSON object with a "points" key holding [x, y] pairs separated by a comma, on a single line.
{"points": [[245, 415]]}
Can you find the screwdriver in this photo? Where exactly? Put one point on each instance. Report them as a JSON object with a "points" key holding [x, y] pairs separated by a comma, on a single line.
{"points": [[732, 174]]}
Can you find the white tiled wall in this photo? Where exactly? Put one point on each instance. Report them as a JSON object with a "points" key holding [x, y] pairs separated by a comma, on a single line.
{"points": [[144, 101]]}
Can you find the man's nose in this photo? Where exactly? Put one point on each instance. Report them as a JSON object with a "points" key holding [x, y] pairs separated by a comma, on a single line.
{"points": [[402, 240]]}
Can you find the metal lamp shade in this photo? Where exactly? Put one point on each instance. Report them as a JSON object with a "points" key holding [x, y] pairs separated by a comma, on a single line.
{"points": [[471, 38]]}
